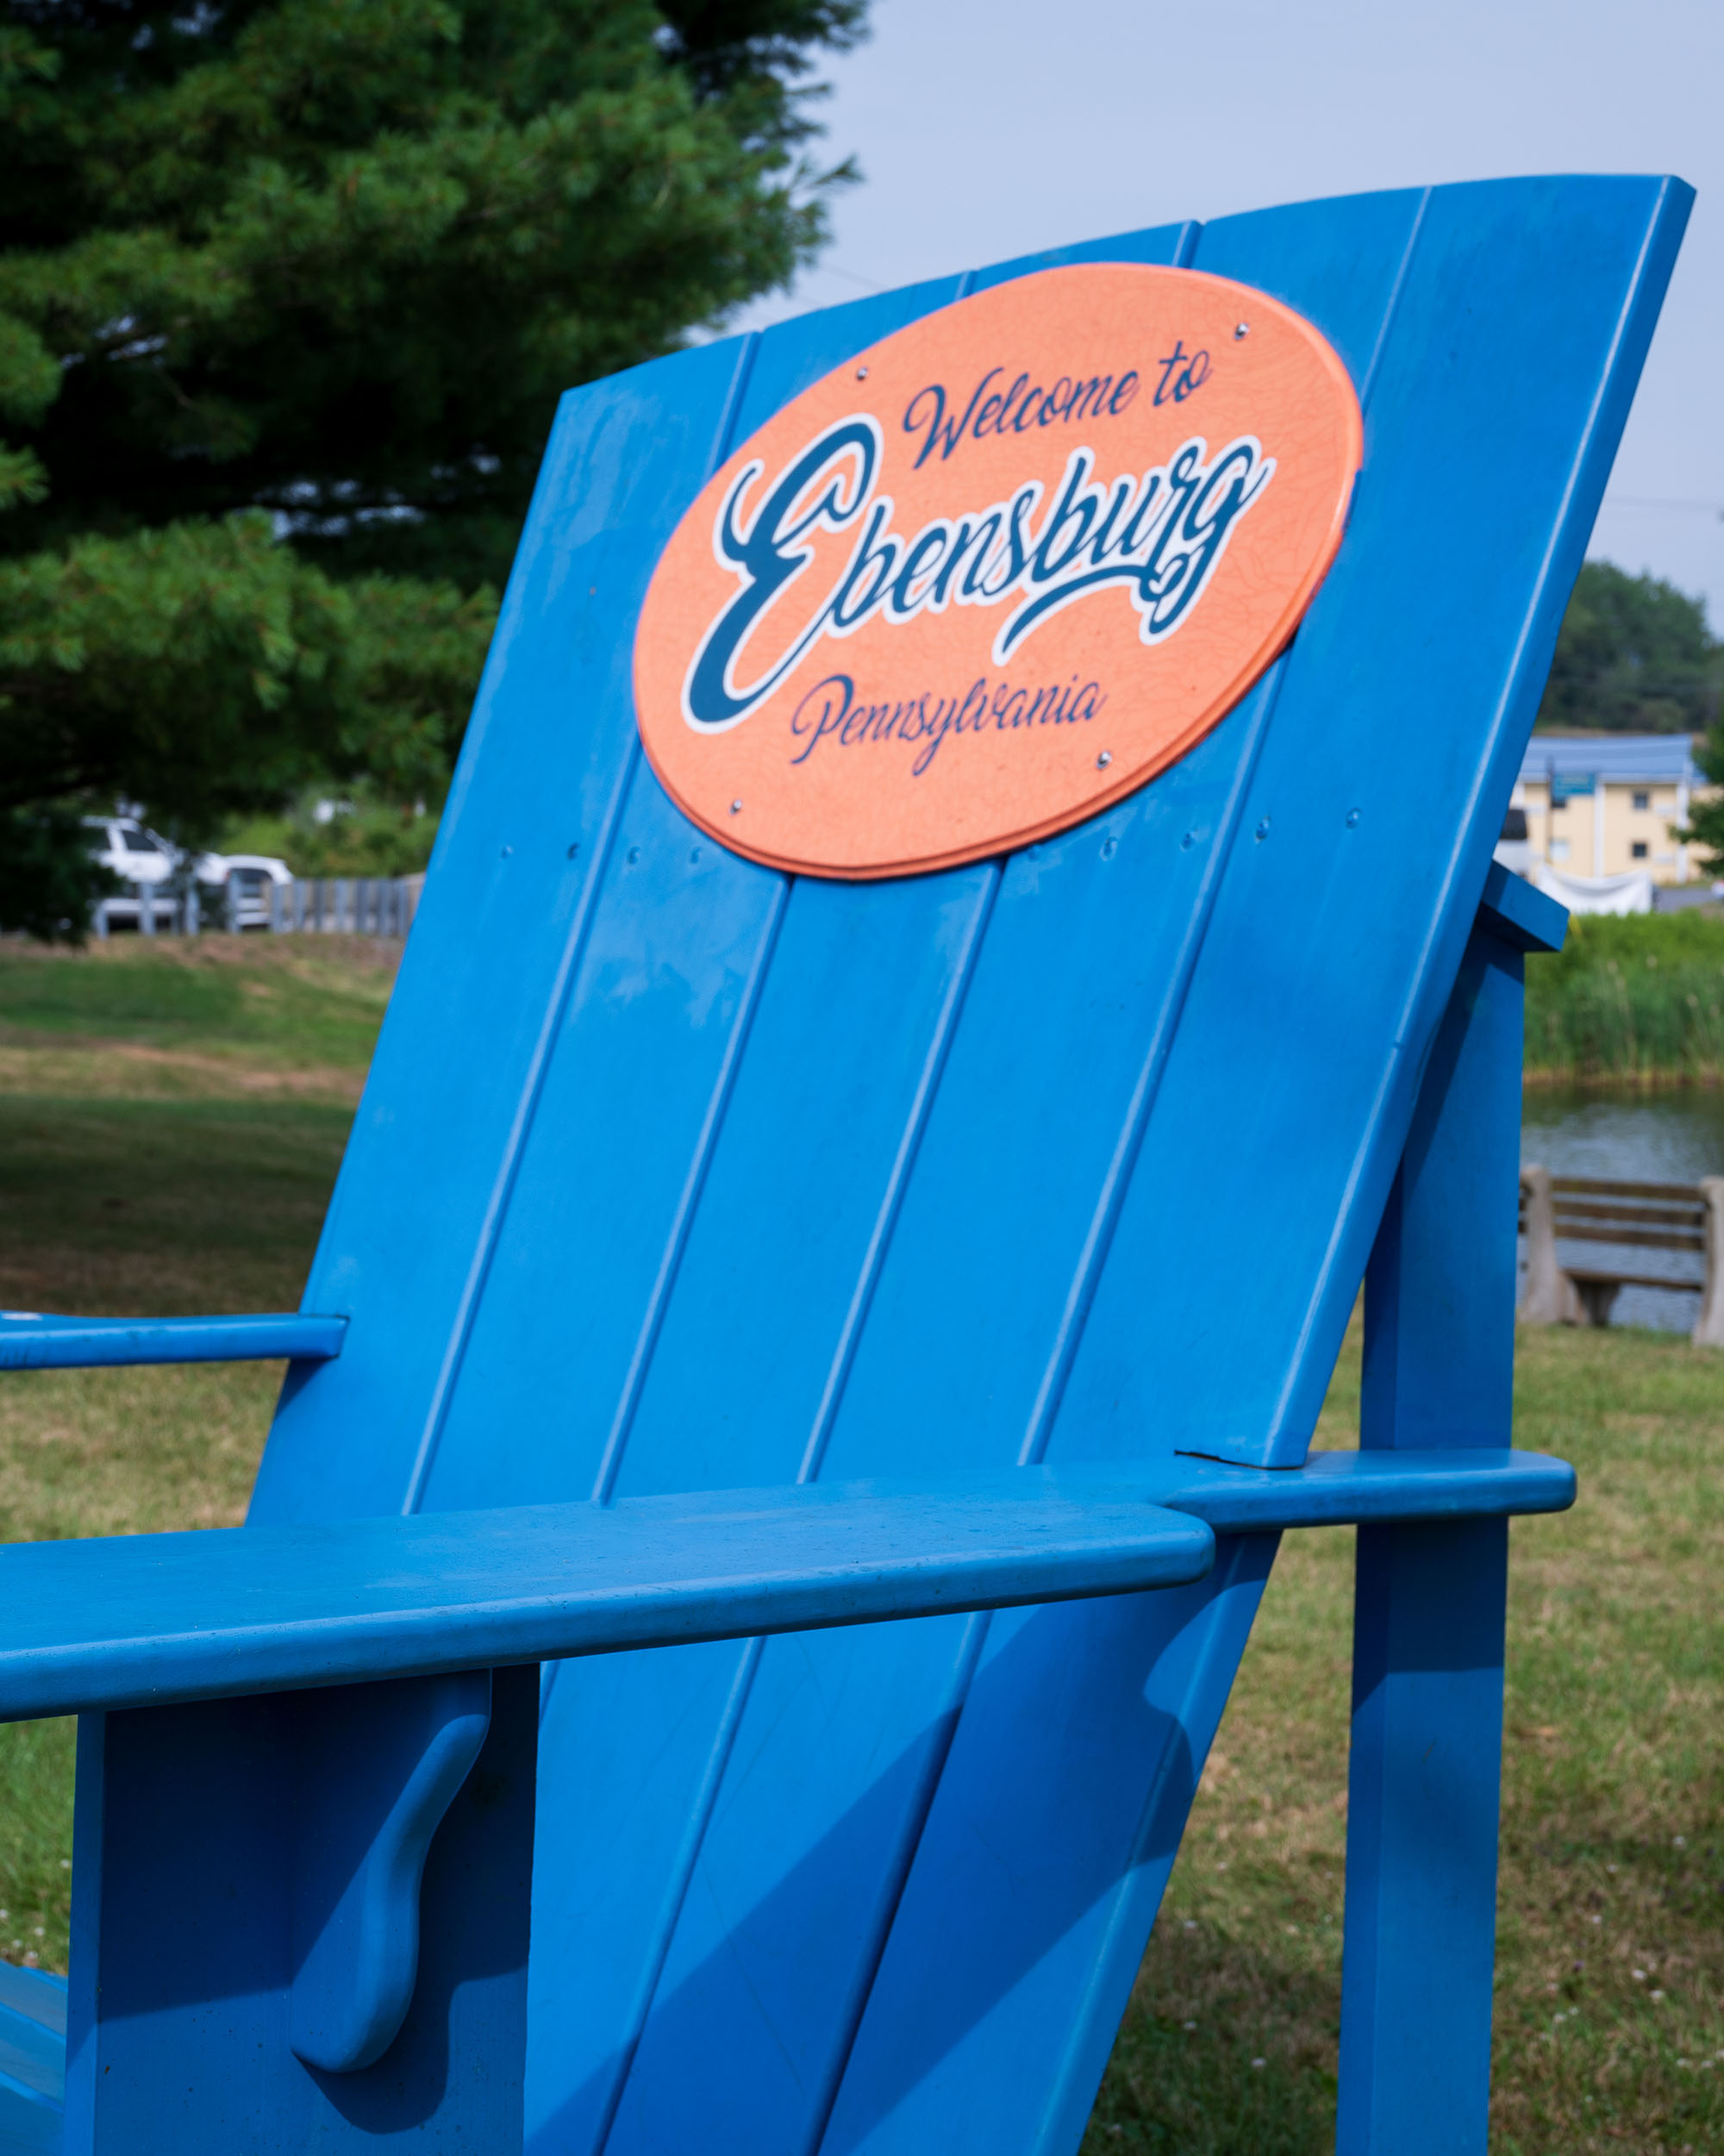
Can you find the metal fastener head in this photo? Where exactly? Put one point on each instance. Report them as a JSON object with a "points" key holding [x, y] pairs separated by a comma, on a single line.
{"points": [[1262, 831], [861, 374], [1188, 841], [507, 851], [1352, 819], [736, 808], [1241, 329], [1103, 760], [633, 855]]}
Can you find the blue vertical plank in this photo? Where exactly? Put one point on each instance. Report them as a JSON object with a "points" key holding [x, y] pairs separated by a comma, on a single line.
{"points": [[631, 1111], [991, 2029], [519, 856], [1428, 1612], [1440, 1287], [636, 1088], [784, 1984], [681, 930], [634, 1101]]}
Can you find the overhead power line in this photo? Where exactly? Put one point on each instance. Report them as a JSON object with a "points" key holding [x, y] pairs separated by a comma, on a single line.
{"points": [[1662, 502]]}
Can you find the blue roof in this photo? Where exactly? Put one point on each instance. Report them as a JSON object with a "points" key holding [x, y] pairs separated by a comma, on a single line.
{"points": [[1662, 759]]}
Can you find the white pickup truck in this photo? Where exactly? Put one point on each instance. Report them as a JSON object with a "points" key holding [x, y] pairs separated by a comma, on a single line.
{"points": [[140, 857]]}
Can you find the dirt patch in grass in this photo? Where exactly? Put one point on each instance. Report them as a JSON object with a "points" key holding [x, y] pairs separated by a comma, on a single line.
{"points": [[192, 1015], [127, 1069], [162, 1208]]}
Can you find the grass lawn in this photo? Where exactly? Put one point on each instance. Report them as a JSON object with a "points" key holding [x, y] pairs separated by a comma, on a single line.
{"points": [[1609, 2019], [171, 1117], [170, 1124]]}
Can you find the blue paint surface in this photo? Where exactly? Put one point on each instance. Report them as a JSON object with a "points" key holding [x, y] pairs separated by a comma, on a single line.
{"points": [[1428, 1614], [32, 1339], [32, 2061], [143, 1620]]}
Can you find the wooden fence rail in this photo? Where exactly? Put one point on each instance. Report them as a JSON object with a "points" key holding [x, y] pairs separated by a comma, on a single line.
{"points": [[345, 905], [1686, 1217], [329, 905]]}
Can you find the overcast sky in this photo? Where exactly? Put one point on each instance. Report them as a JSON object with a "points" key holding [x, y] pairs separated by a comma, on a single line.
{"points": [[987, 128]]}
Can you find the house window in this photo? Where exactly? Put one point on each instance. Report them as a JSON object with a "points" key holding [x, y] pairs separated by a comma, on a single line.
{"points": [[1642, 801], [1558, 849], [1637, 850]]}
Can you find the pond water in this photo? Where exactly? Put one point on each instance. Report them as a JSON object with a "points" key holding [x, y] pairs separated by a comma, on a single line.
{"points": [[1674, 1137]]}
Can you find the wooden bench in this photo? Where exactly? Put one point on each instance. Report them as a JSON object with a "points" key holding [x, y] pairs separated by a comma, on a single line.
{"points": [[1681, 1216]]}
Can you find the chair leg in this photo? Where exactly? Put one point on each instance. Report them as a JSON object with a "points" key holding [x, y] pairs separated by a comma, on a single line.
{"points": [[203, 1835], [1420, 1935], [1420, 1922]]}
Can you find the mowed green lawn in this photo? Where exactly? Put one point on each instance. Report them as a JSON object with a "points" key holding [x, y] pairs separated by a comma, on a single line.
{"points": [[170, 1120], [1610, 2014]]}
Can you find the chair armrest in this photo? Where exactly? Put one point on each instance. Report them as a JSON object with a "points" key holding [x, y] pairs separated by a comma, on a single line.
{"points": [[33, 1339], [144, 1620], [1355, 1489]]}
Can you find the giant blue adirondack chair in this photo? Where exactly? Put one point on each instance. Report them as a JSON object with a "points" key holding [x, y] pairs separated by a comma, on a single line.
{"points": [[722, 1259]]}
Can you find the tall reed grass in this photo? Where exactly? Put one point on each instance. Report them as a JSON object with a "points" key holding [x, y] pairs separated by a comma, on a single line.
{"points": [[1634, 1002]]}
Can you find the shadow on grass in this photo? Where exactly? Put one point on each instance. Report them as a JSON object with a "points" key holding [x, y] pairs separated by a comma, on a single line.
{"points": [[162, 1207], [1225, 2051]]}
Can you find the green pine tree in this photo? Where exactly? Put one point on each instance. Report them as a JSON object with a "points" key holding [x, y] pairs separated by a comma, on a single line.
{"points": [[288, 291], [1633, 656]]}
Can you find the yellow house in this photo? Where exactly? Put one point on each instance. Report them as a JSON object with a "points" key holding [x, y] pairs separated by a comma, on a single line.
{"points": [[1608, 804]]}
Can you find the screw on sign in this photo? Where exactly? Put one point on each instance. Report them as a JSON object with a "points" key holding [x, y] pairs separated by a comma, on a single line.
{"points": [[1091, 502]]}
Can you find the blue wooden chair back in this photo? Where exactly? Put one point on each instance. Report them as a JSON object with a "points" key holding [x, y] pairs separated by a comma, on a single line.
{"points": [[674, 1172]]}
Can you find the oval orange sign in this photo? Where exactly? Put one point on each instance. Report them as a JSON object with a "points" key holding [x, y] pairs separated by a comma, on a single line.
{"points": [[996, 571]]}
